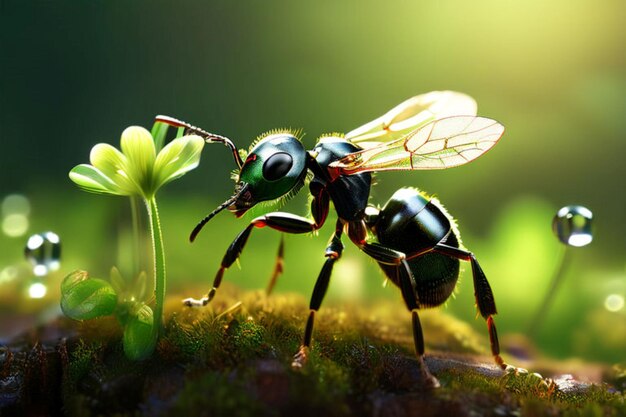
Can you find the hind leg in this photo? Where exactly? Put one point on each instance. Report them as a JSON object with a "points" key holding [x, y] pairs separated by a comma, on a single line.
{"points": [[406, 281], [484, 296]]}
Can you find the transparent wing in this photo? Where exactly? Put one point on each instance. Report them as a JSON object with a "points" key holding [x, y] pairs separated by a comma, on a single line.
{"points": [[412, 114], [441, 144]]}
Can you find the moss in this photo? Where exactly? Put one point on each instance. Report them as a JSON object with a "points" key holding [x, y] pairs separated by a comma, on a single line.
{"points": [[617, 377], [214, 394], [234, 358], [248, 336], [82, 359], [189, 341]]}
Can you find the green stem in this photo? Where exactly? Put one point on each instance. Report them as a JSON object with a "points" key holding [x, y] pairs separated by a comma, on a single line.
{"points": [[159, 264], [557, 278], [138, 262]]}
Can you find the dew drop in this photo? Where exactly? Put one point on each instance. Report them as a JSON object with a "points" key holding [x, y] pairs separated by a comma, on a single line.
{"points": [[43, 251], [572, 225]]}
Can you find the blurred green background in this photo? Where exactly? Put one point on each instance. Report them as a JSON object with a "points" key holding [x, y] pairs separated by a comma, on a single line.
{"points": [[554, 73]]}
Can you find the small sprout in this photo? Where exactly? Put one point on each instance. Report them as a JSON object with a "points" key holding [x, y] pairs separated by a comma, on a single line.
{"points": [[129, 291], [138, 334], [84, 298], [140, 169], [134, 315]]}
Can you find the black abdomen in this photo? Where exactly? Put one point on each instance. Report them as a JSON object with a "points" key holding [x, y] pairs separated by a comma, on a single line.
{"points": [[411, 223]]}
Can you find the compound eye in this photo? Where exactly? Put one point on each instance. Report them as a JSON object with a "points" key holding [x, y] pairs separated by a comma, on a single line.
{"points": [[277, 166]]}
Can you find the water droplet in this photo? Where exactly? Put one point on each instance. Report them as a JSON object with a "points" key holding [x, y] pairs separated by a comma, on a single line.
{"points": [[15, 204], [37, 290], [614, 303], [43, 250], [572, 225]]}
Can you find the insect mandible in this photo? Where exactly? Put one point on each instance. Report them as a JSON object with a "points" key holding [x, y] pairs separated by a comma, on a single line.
{"points": [[412, 237]]}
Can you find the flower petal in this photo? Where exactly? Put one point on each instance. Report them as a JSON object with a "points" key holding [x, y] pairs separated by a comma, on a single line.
{"points": [[138, 147], [107, 159], [93, 180], [178, 157], [114, 165]]}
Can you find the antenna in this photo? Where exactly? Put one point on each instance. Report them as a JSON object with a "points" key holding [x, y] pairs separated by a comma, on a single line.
{"points": [[208, 137]]}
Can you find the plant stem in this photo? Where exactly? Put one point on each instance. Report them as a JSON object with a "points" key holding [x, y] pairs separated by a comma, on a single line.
{"points": [[159, 264], [138, 262], [557, 278]]}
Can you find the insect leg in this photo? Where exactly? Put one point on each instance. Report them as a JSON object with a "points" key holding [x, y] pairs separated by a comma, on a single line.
{"points": [[332, 254], [278, 266], [284, 222], [483, 294], [232, 253], [406, 280], [390, 256]]}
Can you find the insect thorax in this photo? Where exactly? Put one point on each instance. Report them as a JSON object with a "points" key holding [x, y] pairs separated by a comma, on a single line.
{"points": [[349, 194]]}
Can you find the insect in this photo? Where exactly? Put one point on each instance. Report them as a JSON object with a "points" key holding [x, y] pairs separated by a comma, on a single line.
{"points": [[412, 237]]}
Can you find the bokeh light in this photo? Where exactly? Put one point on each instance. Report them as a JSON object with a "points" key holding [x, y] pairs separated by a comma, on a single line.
{"points": [[614, 302], [15, 225], [37, 290]]}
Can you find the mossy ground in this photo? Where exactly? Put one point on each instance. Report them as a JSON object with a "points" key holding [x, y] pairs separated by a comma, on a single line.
{"points": [[233, 358]]}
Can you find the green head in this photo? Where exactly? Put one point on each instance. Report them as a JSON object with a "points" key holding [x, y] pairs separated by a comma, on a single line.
{"points": [[276, 166]]}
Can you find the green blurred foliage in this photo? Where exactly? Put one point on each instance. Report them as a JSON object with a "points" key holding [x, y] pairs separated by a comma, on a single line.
{"points": [[554, 73]]}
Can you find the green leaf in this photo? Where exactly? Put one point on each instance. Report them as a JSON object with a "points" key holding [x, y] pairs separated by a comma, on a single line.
{"points": [[139, 335], [158, 132], [177, 158], [84, 298], [72, 279], [91, 179]]}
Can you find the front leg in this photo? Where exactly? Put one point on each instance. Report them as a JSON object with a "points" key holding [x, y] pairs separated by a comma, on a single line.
{"points": [[332, 254], [284, 222]]}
